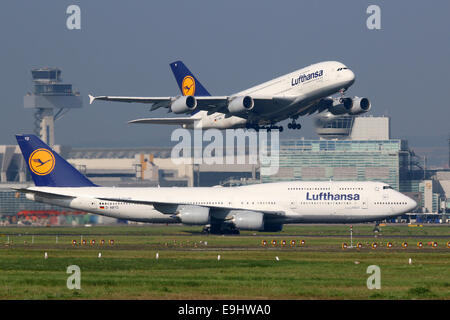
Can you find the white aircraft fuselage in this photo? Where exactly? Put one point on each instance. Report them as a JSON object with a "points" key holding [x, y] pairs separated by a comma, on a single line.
{"points": [[281, 202], [299, 93], [308, 85]]}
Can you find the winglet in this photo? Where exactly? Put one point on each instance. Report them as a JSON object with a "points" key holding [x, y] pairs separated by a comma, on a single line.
{"points": [[91, 99]]}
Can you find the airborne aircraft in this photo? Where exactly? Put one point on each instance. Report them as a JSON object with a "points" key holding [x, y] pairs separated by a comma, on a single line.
{"points": [[299, 93], [259, 207]]}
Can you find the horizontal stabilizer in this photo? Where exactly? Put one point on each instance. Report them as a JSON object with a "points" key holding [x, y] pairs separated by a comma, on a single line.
{"points": [[43, 193]]}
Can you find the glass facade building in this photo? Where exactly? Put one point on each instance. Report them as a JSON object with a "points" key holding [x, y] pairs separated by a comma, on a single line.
{"points": [[356, 160]]}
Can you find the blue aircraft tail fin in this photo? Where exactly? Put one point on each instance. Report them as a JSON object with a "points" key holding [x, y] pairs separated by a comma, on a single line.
{"points": [[47, 168], [188, 83]]}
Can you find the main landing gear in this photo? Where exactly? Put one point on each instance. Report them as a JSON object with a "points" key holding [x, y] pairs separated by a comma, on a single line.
{"points": [[294, 125], [220, 229], [268, 128], [376, 228]]}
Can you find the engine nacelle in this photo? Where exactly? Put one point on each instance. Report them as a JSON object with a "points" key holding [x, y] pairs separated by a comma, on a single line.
{"points": [[241, 104], [339, 106], [352, 106], [358, 106], [194, 215], [248, 220], [184, 104]]}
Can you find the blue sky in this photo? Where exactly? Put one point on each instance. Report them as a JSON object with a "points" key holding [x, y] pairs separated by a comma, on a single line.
{"points": [[124, 48]]}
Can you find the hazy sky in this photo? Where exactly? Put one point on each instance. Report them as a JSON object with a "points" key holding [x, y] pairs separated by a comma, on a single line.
{"points": [[125, 47]]}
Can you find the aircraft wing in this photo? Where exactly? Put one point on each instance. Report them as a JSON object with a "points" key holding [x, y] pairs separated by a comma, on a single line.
{"points": [[172, 121], [202, 101], [205, 103], [149, 100], [273, 213]]}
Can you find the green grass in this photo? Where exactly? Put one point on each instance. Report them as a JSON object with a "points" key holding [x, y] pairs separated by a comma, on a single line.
{"points": [[188, 269], [313, 230]]}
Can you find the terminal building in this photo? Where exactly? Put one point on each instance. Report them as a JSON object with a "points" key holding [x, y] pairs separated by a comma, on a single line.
{"points": [[350, 148], [361, 149], [357, 160]]}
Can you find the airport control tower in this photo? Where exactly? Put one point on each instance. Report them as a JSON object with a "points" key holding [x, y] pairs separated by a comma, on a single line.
{"points": [[51, 99], [349, 127]]}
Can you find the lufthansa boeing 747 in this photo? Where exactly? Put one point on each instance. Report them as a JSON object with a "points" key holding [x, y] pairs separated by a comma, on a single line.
{"points": [[299, 93], [262, 207]]}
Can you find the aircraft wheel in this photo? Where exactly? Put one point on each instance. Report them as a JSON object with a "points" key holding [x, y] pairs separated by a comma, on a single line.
{"points": [[289, 125], [206, 230]]}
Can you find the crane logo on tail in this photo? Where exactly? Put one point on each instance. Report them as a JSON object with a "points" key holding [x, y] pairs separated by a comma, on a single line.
{"points": [[188, 86], [41, 162]]}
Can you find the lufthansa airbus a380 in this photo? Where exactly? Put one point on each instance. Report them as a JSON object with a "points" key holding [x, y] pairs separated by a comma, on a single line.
{"points": [[299, 93], [261, 207]]}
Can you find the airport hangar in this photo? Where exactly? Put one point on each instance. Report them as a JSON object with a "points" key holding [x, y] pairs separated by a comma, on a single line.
{"points": [[348, 148]]}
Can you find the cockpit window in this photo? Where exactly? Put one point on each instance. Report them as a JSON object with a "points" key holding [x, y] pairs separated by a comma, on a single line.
{"points": [[387, 187], [339, 69]]}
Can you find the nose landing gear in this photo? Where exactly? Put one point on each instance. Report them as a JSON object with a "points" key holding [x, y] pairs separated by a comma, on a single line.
{"points": [[376, 228]]}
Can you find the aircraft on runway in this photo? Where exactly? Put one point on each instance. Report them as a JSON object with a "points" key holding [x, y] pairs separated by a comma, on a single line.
{"points": [[299, 93], [262, 207]]}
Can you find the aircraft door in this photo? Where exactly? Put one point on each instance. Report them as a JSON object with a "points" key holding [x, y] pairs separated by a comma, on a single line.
{"points": [[364, 204], [293, 204], [92, 204]]}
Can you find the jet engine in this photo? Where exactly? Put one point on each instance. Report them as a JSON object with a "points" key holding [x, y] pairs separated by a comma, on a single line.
{"points": [[241, 104], [248, 220], [184, 104], [352, 106], [338, 106], [194, 215], [358, 105]]}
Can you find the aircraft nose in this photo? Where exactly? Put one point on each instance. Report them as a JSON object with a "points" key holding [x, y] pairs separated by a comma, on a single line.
{"points": [[411, 203], [351, 76]]}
